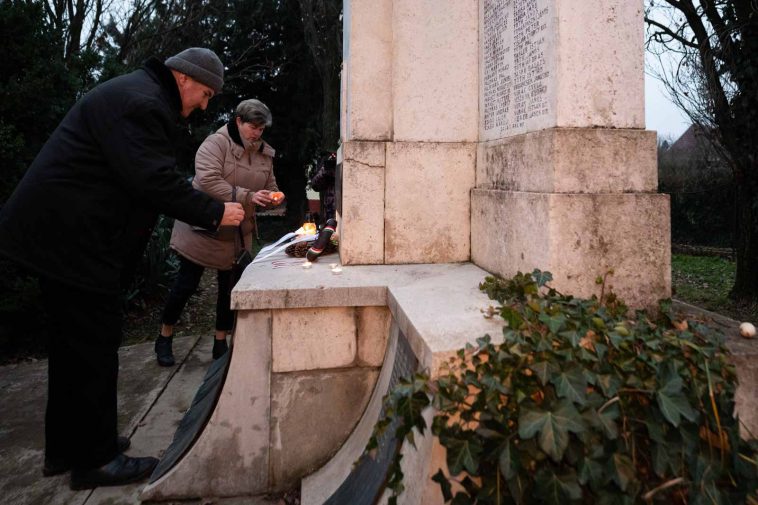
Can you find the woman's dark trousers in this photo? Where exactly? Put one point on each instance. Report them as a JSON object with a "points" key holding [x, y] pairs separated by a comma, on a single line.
{"points": [[185, 286], [84, 333]]}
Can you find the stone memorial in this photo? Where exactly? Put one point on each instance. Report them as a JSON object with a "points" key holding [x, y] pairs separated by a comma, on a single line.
{"points": [[477, 136], [555, 171]]}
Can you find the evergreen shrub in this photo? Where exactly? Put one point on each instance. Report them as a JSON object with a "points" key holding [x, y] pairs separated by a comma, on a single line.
{"points": [[579, 402]]}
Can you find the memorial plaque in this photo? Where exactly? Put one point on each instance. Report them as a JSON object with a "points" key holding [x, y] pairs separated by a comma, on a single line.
{"points": [[517, 66], [365, 483]]}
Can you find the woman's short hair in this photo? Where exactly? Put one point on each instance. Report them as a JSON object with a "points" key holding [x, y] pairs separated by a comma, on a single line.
{"points": [[254, 111]]}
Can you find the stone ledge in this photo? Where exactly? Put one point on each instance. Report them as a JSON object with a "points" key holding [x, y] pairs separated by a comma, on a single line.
{"points": [[437, 306]]}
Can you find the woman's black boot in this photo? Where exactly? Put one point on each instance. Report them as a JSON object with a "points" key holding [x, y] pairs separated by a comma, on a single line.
{"points": [[163, 350], [219, 348]]}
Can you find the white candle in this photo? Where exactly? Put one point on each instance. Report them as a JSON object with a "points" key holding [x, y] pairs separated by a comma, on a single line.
{"points": [[337, 270], [307, 264]]}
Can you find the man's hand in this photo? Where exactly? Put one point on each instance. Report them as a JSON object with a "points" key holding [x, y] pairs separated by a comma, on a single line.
{"points": [[233, 214], [262, 198]]}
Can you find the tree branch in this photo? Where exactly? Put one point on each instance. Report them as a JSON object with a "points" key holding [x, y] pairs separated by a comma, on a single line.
{"points": [[667, 31]]}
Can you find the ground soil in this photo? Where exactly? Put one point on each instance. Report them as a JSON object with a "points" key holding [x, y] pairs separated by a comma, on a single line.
{"points": [[142, 322]]}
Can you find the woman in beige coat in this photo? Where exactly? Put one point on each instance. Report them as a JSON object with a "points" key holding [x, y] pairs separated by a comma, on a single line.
{"points": [[233, 162]]}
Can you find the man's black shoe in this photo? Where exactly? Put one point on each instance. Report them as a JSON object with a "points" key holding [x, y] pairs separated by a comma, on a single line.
{"points": [[120, 470], [57, 466], [163, 350], [220, 347]]}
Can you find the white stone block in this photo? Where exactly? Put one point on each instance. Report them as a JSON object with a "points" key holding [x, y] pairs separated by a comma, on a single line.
{"points": [[435, 61], [373, 329], [328, 403], [361, 225], [367, 70], [577, 238], [427, 202], [310, 339], [571, 160], [600, 65]]}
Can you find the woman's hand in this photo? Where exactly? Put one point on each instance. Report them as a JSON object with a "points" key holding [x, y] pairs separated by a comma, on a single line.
{"points": [[262, 198]]}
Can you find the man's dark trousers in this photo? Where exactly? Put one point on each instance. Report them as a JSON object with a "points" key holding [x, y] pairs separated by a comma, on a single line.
{"points": [[84, 335]]}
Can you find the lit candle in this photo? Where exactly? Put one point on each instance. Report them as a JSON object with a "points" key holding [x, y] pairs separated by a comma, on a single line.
{"points": [[307, 264], [337, 270], [309, 228]]}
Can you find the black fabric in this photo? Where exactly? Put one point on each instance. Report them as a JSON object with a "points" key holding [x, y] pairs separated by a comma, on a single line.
{"points": [[191, 425], [234, 132], [84, 335], [184, 287], [243, 259], [95, 189]]}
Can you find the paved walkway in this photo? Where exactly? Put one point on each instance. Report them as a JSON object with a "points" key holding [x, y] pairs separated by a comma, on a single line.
{"points": [[152, 401]]}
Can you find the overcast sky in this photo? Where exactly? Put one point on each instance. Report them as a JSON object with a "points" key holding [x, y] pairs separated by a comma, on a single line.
{"points": [[660, 114]]}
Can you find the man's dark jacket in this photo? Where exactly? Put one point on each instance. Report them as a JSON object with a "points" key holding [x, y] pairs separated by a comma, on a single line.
{"points": [[85, 208]]}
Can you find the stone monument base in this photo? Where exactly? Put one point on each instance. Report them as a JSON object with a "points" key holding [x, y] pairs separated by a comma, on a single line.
{"points": [[577, 237]]}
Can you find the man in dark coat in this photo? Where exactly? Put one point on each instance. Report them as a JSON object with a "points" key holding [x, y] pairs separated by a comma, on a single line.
{"points": [[80, 218]]}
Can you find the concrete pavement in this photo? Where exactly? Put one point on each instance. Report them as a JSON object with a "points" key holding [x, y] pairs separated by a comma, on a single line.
{"points": [[152, 401]]}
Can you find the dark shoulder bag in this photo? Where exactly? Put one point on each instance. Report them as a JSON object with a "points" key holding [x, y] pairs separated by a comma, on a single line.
{"points": [[243, 257]]}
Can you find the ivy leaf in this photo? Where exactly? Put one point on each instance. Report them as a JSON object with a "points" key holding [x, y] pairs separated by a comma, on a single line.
{"points": [[609, 383], [590, 471], [553, 427], [600, 350], [661, 460], [572, 336], [572, 385], [494, 383], [553, 323], [512, 317], [410, 408], [462, 498], [674, 406], [463, 454], [518, 487], [541, 278], [506, 462], [622, 470], [544, 369], [672, 386], [605, 420], [440, 478], [557, 489]]}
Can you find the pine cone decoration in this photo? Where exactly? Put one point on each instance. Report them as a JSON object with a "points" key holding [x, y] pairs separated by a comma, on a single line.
{"points": [[298, 250]]}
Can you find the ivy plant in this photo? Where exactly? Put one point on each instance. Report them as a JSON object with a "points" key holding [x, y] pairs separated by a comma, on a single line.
{"points": [[580, 402]]}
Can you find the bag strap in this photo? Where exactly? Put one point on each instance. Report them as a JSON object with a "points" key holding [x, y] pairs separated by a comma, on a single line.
{"points": [[239, 228]]}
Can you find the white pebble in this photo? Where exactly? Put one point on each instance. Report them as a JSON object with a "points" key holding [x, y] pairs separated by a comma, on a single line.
{"points": [[747, 330]]}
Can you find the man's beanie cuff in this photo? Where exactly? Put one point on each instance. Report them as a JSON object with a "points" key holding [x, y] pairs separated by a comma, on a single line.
{"points": [[201, 64]]}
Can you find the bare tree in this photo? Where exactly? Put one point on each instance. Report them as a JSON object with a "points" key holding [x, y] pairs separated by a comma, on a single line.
{"points": [[708, 51], [79, 22], [323, 35]]}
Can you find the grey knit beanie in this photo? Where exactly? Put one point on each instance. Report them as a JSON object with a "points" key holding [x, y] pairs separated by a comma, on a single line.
{"points": [[201, 64]]}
